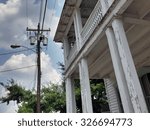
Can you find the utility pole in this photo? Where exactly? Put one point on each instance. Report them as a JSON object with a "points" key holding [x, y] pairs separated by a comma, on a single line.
{"points": [[39, 38], [39, 70]]}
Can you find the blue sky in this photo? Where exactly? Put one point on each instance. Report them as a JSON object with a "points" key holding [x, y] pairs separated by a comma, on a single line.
{"points": [[15, 16], [3, 1]]}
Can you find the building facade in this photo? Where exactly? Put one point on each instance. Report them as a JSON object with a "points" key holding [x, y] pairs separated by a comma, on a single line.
{"points": [[110, 40]]}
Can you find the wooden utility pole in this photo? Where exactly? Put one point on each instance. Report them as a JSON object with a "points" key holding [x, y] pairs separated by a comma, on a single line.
{"points": [[39, 39], [39, 70]]}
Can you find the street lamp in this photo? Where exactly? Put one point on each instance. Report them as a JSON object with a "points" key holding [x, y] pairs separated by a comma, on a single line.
{"points": [[15, 46]]}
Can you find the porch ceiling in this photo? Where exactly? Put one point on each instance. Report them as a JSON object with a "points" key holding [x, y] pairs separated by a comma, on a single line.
{"points": [[64, 19], [86, 7]]}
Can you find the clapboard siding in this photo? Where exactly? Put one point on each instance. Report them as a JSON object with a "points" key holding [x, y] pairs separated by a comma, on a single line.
{"points": [[112, 96]]}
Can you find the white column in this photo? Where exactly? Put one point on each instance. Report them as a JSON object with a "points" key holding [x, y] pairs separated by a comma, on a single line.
{"points": [[132, 79], [70, 96], [85, 87], [78, 27], [118, 69], [112, 96], [66, 49]]}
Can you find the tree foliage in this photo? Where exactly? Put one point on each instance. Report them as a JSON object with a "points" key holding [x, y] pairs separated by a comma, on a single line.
{"points": [[99, 98], [15, 92], [98, 95], [53, 97]]}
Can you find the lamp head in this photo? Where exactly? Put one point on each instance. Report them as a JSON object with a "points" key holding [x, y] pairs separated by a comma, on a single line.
{"points": [[15, 46]]}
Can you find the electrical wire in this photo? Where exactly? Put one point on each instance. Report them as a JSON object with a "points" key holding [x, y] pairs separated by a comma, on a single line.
{"points": [[25, 67], [41, 8], [8, 53], [44, 14]]}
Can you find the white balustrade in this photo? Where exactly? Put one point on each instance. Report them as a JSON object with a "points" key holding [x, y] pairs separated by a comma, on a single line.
{"points": [[95, 18]]}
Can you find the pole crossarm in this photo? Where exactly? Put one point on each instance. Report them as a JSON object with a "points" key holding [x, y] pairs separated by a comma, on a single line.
{"points": [[43, 30]]}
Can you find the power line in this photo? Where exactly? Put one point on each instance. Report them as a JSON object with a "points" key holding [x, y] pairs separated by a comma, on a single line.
{"points": [[52, 14], [41, 7], [44, 14], [8, 53], [20, 68]]}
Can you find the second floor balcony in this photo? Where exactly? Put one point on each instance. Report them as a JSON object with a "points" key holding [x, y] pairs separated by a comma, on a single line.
{"points": [[92, 13]]}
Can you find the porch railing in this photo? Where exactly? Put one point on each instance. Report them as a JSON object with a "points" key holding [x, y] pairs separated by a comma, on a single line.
{"points": [[95, 18]]}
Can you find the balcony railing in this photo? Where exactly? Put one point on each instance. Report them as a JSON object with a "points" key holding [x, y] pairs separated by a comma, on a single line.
{"points": [[95, 18]]}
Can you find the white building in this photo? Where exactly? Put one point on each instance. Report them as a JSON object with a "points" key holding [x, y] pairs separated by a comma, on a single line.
{"points": [[110, 40]]}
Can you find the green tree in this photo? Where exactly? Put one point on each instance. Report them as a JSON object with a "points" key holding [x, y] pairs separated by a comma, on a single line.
{"points": [[99, 98], [53, 97], [98, 95], [15, 92]]}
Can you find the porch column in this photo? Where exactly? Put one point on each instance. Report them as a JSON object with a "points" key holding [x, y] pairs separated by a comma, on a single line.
{"points": [[85, 87], [112, 96], [70, 96], [78, 27], [66, 49], [118, 69], [129, 69]]}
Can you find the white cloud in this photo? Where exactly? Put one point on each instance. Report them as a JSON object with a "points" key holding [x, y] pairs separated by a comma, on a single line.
{"points": [[8, 9], [26, 76], [13, 21]]}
